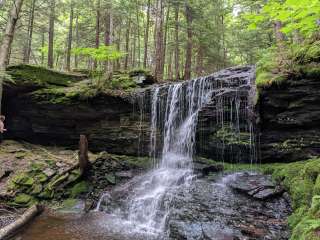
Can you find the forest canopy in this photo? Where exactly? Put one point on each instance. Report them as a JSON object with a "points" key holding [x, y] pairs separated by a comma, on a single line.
{"points": [[175, 39]]}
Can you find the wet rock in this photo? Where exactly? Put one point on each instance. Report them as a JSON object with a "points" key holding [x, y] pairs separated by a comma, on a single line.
{"points": [[124, 174], [206, 169], [49, 172], [213, 210], [256, 186], [289, 120]]}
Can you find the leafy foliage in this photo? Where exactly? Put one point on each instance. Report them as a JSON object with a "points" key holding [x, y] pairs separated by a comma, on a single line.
{"points": [[103, 53]]}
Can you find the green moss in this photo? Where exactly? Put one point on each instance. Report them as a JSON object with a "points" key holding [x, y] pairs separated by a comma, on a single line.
{"points": [[316, 189], [301, 179], [36, 189], [266, 79], [23, 200], [23, 179], [79, 188], [229, 136], [40, 76]]}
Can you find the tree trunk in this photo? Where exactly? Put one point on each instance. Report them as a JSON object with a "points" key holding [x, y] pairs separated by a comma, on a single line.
{"points": [[42, 46], [187, 70], [98, 14], [76, 60], [83, 155], [70, 38], [163, 59], [176, 52], [51, 33], [5, 47], [138, 33], [159, 41], [108, 34], [127, 44], [170, 72], [146, 36], [27, 52]]}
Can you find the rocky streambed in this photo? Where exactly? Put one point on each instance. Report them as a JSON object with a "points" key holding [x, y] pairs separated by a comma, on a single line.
{"points": [[236, 206]]}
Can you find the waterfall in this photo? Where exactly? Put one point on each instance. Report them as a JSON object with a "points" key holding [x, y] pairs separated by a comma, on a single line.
{"points": [[182, 104], [224, 99]]}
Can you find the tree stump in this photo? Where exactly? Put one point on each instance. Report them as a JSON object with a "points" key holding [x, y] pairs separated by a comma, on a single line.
{"points": [[83, 155]]}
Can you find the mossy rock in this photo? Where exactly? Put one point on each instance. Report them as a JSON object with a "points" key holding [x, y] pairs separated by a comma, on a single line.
{"points": [[40, 76], [36, 189], [23, 179], [42, 178], [56, 181], [23, 200], [74, 176], [79, 189], [111, 178], [46, 194]]}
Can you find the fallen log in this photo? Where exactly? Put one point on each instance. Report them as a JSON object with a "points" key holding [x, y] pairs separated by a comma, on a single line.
{"points": [[12, 228]]}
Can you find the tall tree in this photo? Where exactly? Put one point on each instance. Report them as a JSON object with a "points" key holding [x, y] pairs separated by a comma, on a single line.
{"points": [[70, 36], [177, 52], [188, 63], [27, 50], [51, 33], [146, 36], [97, 40], [159, 40], [7, 40]]}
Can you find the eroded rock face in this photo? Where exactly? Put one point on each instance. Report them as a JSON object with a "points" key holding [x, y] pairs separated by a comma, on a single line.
{"points": [[290, 120], [112, 123]]}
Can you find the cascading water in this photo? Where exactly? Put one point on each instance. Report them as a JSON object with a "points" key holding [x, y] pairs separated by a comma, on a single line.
{"points": [[183, 101], [174, 113]]}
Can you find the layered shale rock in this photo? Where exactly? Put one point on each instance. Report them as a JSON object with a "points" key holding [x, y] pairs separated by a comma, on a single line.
{"points": [[290, 119]]}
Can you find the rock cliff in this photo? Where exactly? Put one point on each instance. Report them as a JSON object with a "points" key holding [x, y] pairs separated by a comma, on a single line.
{"points": [[290, 119]]}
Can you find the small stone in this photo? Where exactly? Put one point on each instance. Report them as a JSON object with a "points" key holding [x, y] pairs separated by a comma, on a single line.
{"points": [[111, 178], [49, 172]]}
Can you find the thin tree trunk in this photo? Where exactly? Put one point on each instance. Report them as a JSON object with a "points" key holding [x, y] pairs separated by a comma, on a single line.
{"points": [[70, 37], [170, 72], [176, 52], [159, 43], [138, 34], [163, 60], [27, 52], [42, 46], [84, 163], [5, 47], [119, 45], [146, 36], [187, 70], [51, 34], [76, 60], [108, 34], [98, 14], [127, 44]]}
